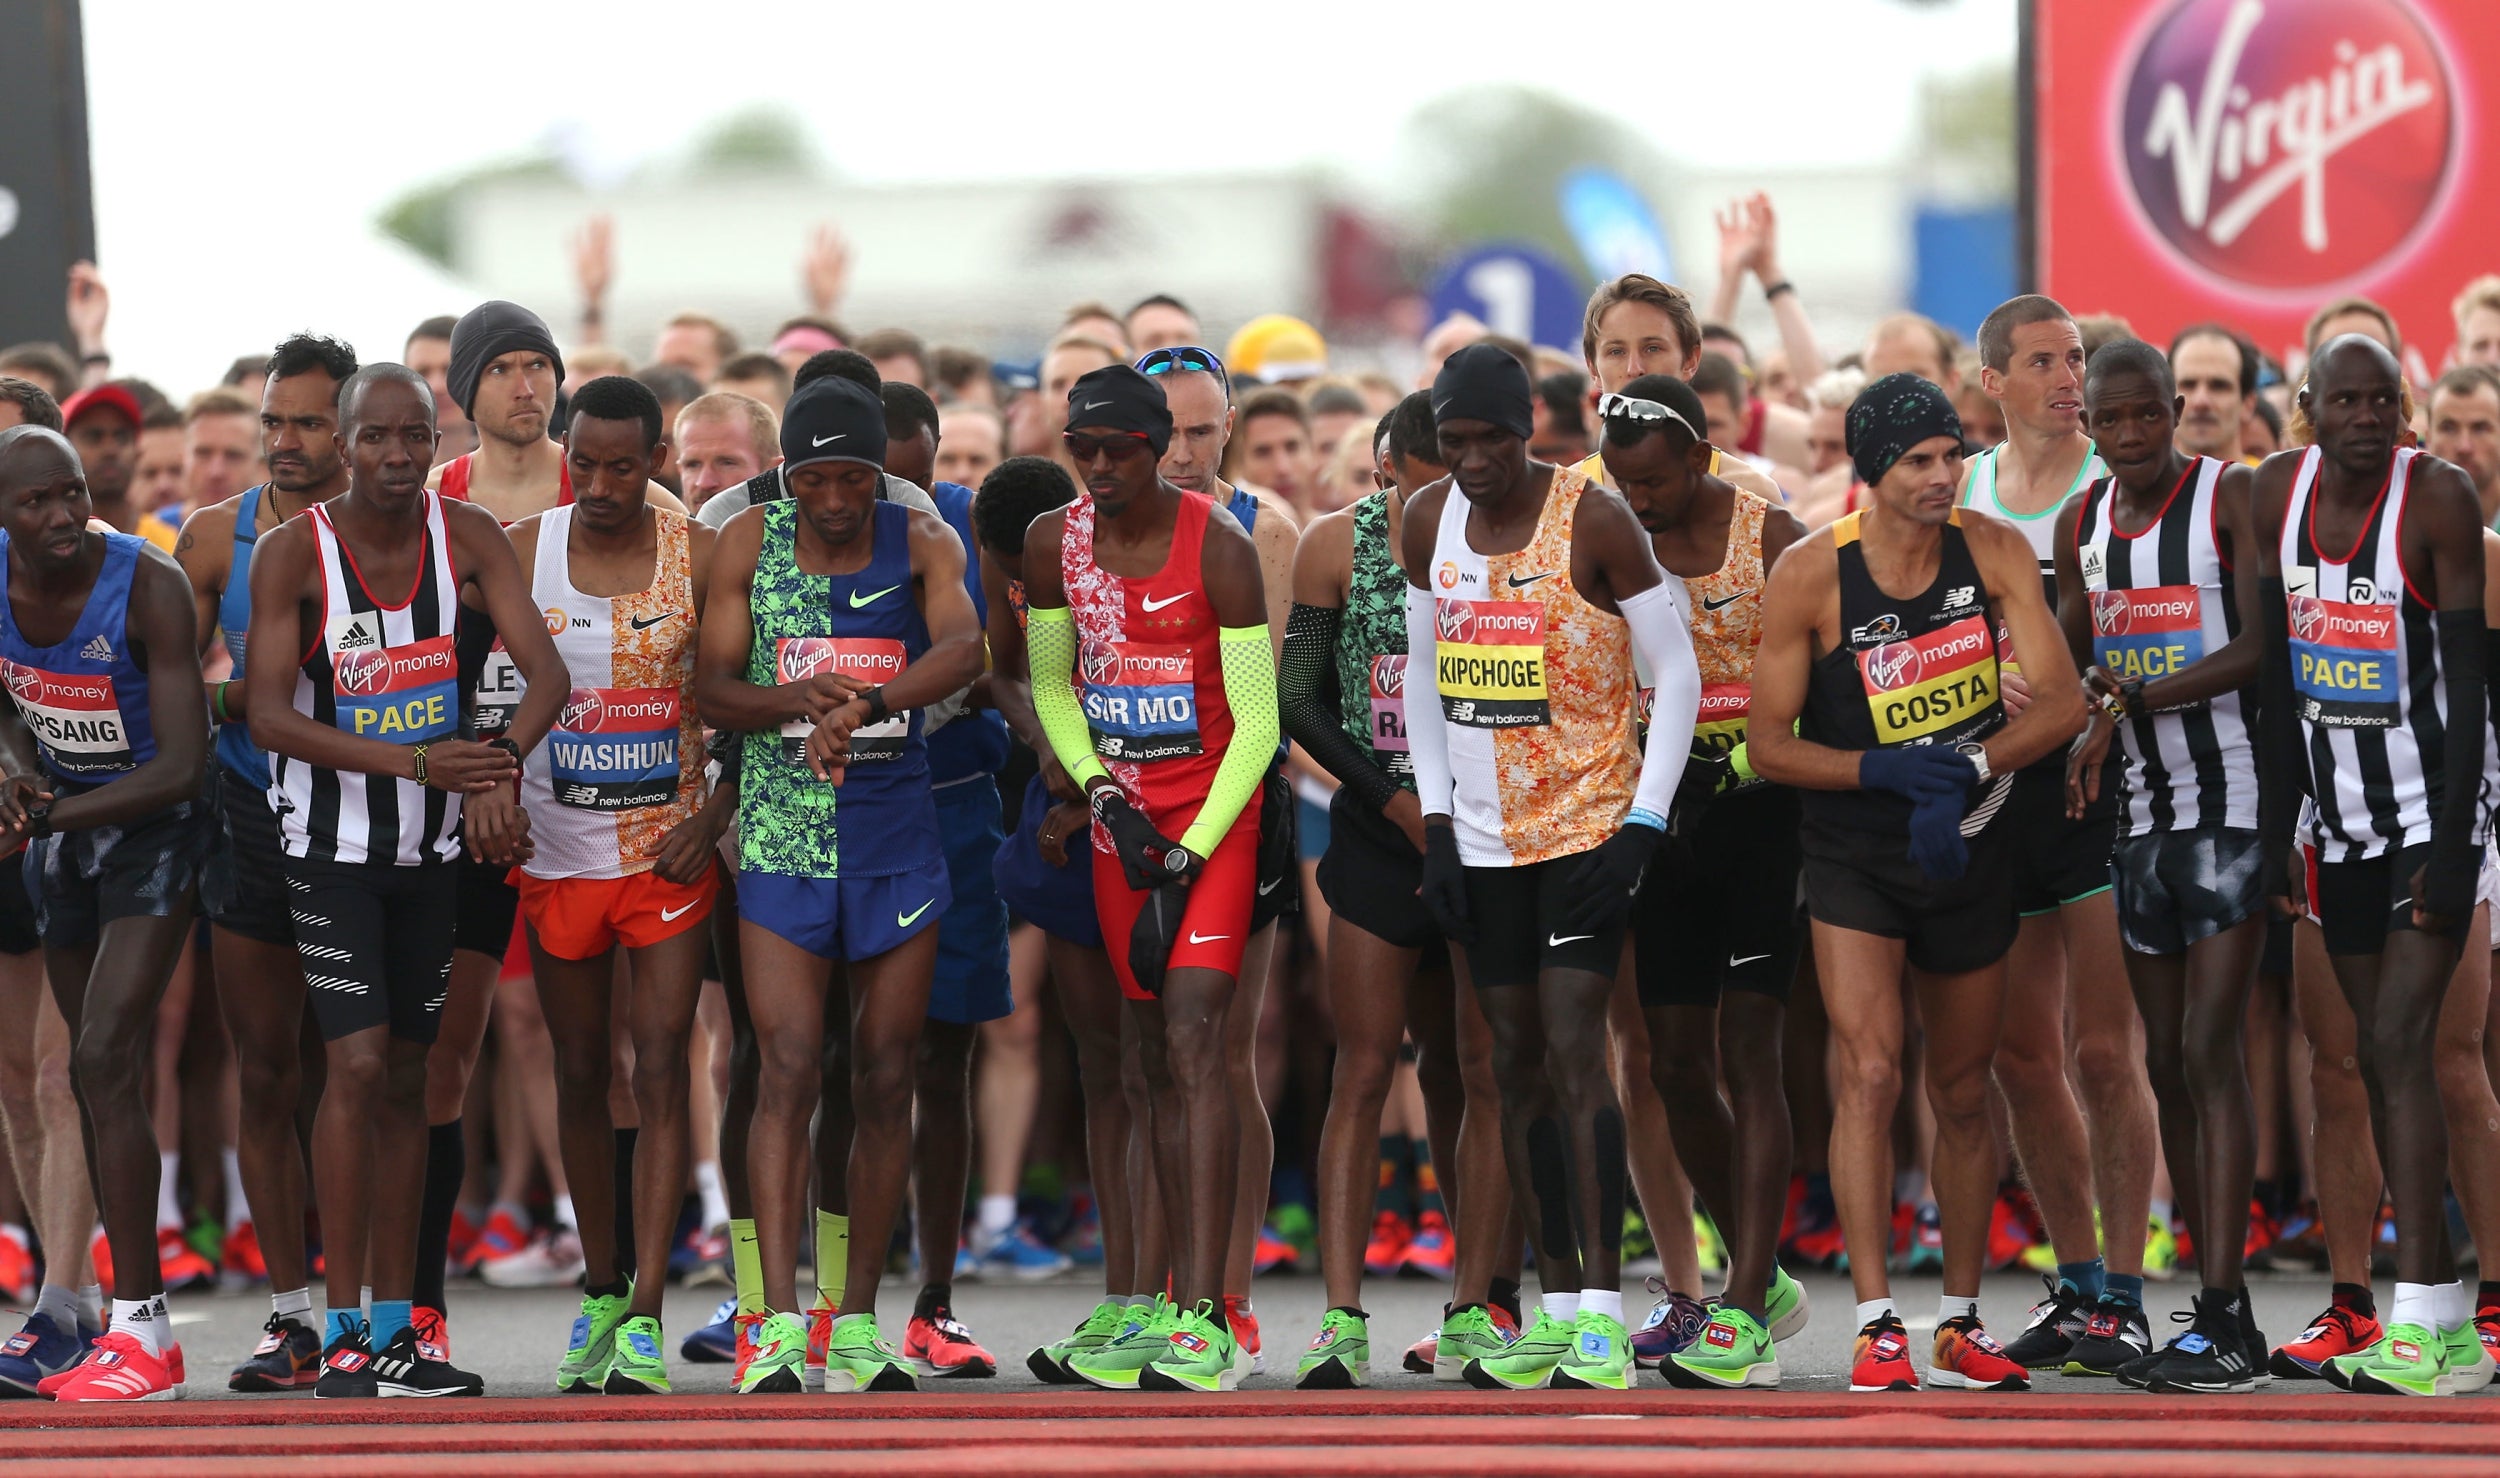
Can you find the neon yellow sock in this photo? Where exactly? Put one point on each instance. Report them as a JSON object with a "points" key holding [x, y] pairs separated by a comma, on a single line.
{"points": [[833, 1256], [746, 1265]]}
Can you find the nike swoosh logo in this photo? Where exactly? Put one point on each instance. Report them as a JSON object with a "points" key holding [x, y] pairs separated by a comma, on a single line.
{"points": [[1557, 942], [825, 440], [905, 920], [1197, 938], [1270, 886], [645, 623], [1725, 600], [1733, 962], [670, 915], [1519, 582], [858, 600], [1152, 604], [1094, 405]]}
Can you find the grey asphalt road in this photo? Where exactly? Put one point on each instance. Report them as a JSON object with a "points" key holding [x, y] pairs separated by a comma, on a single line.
{"points": [[513, 1338]]}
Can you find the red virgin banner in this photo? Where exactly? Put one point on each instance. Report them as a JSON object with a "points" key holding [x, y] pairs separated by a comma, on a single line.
{"points": [[2251, 160]]}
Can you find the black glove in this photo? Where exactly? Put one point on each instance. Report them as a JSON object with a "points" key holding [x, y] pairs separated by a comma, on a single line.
{"points": [[1706, 773], [1157, 929], [1444, 887], [1602, 878], [1916, 772], [1936, 843], [1143, 851]]}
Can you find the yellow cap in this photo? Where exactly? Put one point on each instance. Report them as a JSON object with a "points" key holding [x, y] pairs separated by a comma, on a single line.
{"points": [[1274, 347]]}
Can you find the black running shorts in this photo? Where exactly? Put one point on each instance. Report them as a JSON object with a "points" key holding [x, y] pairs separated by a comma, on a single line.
{"points": [[2055, 860], [2177, 887], [1717, 910], [2358, 904], [253, 901], [18, 934], [375, 941], [1852, 881], [82, 880], [488, 903], [1370, 874], [1516, 911]]}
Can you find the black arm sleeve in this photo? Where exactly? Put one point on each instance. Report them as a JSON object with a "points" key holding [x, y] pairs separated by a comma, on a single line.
{"points": [[2456, 859], [1309, 701], [2279, 781], [2491, 690], [731, 750]]}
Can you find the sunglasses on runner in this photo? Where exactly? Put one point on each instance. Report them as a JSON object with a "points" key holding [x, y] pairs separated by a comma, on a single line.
{"points": [[1184, 358], [1085, 446], [1615, 406]]}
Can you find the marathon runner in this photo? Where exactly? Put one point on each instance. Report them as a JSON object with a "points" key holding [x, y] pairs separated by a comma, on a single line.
{"points": [[260, 982], [1536, 590], [622, 839], [834, 750], [1715, 932], [1636, 325], [1879, 635], [1152, 596], [369, 773], [771, 485], [2377, 650], [1344, 701], [2153, 605], [105, 789]]}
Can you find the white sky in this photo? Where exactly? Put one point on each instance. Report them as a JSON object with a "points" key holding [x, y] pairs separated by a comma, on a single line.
{"points": [[211, 121]]}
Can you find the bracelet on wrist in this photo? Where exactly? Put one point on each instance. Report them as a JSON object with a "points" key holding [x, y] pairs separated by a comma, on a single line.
{"points": [[1772, 290]]}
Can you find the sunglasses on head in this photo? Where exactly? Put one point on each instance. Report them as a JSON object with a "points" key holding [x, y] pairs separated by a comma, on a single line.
{"points": [[1183, 358], [1615, 406], [1120, 445]]}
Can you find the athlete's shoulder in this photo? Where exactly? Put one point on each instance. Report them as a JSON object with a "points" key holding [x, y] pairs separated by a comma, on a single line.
{"points": [[1736, 471], [658, 496]]}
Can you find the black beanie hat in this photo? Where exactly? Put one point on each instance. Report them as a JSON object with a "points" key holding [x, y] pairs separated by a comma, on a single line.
{"points": [[487, 331], [1483, 383], [1119, 398], [1893, 415]]}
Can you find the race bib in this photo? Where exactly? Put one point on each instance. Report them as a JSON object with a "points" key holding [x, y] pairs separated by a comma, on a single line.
{"points": [[2344, 663], [615, 749], [1933, 684], [1141, 699], [498, 692], [402, 695], [871, 660], [2149, 633], [75, 717], [1389, 715], [1489, 663]]}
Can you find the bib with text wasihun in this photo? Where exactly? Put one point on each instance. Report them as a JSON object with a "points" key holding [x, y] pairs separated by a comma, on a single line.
{"points": [[615, 749]]}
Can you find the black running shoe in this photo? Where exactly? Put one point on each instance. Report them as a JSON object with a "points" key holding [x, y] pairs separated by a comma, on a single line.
{"points": [[2139, 1373], [2055, 1324], [2253, 1341], [402, 1371], [2212, 1357], [347, 1367], [2114, 1336], [289, 1358]]}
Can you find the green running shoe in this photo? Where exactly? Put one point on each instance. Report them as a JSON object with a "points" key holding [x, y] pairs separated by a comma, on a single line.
{"points": [[1198, 1355], [1109, 1320], [2469, 1364], [640, 1369], [1784, 1312], [1707, 1246], [1600, 1358], [857, 1359], [779, 1364], [584, 1370], [1466, 1334], [1527, 1363], [2410, 1361], [1340, 1354], [1732, 1353], [1114, 1365]]}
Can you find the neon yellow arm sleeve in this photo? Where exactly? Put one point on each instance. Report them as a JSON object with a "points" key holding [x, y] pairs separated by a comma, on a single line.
{"points": [[1250, 691], [1050, 654]]}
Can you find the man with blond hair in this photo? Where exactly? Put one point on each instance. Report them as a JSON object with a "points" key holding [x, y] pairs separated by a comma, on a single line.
{"points": [[723, 439], [2477, 312]]}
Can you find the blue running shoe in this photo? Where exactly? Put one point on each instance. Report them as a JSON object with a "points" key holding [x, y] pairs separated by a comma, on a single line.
{"points": [[1020, 1255], [41, 1348], [715, 1343], [1674, 1322]]}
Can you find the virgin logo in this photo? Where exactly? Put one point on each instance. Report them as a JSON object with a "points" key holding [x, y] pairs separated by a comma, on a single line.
{"points": [[584, 712], [2110, 612], [364, 673], [1389, 674], [25, 683], [1099, 662], [1456, 621], [2289, 144], [1894, 666], [802, 657], [2308, 618]]}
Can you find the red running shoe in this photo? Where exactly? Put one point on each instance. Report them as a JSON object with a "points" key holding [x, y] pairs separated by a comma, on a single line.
{"points": [[2258, 1250], [1966, 1357], [502, 1236], [941, 1346], [2010, 1232], [183, 1267], [1434, 1251], [2338, 1331], [819, 1339], [2487, 1325], [1245, 1327], [1387, 1252], [746, 1325], [100, 1252], [464, 1233], [433, 1333], [1882, 1359], [1272, 1252], [124, 1369], [241, 1265], [17, 1268]]}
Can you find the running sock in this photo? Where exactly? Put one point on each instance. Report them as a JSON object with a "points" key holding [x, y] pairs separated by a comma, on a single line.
{"points": [[715, 1196], [560, 1209], [142, 1319], [1139, 1300], [1563, 1306], [2129, 1286], [340, 1324], [364, 1302], [446, 1162], [238, 1205], [1957, 1306], [1397, 1153], [1606, 1301], [621, 1288], [2089, 1277], [933, 1297], [746, 1265], [169, 1190], [1427, 1183], [60, 1305], [296, 1305], [622, 1209], [2416, 1303], [997, 1218], [1504, 1295], [91, 1305], [390, 1316], [2356, 1297], [1874, 1309], [833, 1255], [2453, 1306]]}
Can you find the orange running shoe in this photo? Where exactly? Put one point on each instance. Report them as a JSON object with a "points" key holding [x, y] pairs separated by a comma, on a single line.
{"points": [[941, 1346], [124, 1369], [1882, 1359], [819, 1339], [2341, 1330], [1434, 1251], [2487, 1325], [433, 1333], [182, 1266], [1967, 1358], [1245, 1329], [17, 1268], [746, 1325], [1387, 1252], [241, 1265]]}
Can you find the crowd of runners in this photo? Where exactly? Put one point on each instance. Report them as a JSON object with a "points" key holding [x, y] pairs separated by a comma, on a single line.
{"points": [[1914, 809]]}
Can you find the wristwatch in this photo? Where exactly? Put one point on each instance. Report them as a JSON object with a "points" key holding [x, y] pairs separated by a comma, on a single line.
{"points": [[38, 820], [1977, 755], [419, 752], [1101, 796], [1178, 861], [505, 743], [2131, 694], [875, 699]]}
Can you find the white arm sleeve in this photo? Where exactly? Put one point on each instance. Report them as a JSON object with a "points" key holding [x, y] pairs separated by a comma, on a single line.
{"points": [[1427, 732], [1663, 643]]}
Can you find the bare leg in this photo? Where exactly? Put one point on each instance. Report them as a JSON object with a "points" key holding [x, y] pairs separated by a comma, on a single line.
{"points": [[2108, 1062], [1256, 1157], [2348, 1179], [1371, 1019], [1089, 996]]}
